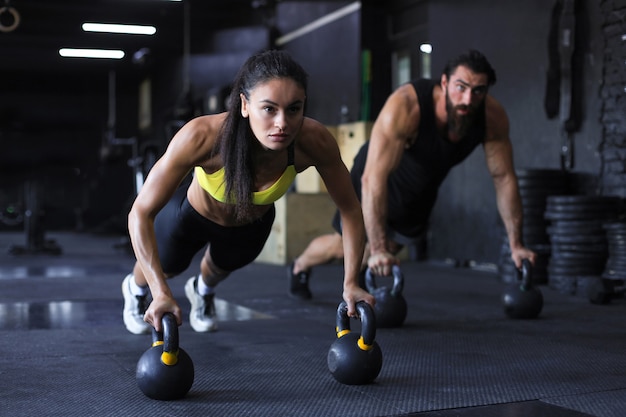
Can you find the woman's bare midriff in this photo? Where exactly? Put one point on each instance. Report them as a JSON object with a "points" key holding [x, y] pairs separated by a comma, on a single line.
{"points": [[216, 211]]}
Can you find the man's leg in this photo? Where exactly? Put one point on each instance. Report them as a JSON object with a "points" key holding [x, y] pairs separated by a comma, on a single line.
{"points": [[321, 250]]}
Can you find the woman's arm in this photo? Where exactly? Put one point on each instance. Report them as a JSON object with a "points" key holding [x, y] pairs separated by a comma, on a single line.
{"points": [[323, 151], [161, 183]]}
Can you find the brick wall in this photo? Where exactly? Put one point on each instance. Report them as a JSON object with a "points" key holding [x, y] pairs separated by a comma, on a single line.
{"points": [[613, 95]]}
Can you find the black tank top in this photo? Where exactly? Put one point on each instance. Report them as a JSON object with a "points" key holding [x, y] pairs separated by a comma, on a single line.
{"points": [[413, 186]]}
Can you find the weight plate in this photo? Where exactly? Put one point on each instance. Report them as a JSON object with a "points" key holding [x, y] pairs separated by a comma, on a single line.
{"points": [[556, 207], [613, 264], [609, 274], [581, 269], [581, 199], [542, 249], [533, 211], [560, 253], [563, 284], [556, 183], [596, 249], [619, 258], [531, 228], [541, 173], [616, 227], [617, 250], [573, 263], [540, 191], [563, 231], [577, 215], [578, 223], [577, 239]]}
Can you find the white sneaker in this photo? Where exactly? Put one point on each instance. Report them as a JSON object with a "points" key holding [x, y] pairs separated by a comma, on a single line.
{"points": [[134, 308], [202, 316]]}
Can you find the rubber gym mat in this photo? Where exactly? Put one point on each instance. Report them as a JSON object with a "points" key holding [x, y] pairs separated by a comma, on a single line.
{"points": [[456, 352]]}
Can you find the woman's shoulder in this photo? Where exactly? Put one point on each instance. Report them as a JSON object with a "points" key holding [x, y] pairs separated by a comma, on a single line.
{"points": [[201, 129], [315, 144], [207, 122], [197, 137], [313, 129]]}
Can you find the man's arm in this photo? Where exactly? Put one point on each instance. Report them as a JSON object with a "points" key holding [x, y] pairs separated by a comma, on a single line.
{"points": [[395, 126], [499, 158]]}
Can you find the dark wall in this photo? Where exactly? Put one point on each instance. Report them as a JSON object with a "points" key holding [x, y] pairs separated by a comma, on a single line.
{"points": [[330, 54], [514, 36]]}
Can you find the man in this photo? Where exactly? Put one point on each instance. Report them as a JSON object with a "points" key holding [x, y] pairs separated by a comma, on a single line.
{"points": [[422, 131]]}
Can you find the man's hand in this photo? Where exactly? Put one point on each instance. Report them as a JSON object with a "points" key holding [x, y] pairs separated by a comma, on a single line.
{"points": [[380, 263], [521, 253]]}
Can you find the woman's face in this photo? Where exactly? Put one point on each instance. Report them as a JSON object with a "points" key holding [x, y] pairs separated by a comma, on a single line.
{"points": [[275, 111]]}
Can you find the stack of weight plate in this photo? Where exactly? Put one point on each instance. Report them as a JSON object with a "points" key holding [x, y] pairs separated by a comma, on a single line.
{"points": [[535, 185], [615, 268], [578, 240]]}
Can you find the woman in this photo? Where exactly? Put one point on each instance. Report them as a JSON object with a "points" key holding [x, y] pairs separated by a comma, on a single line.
{"points": [[243, 160]]}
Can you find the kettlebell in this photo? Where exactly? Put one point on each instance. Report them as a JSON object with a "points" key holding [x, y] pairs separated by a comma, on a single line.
{"points": [[390, 307], [522, 300], [165, 371], [355, 359]]}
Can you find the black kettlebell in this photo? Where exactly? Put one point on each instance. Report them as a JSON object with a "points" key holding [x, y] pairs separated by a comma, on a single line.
{"points": [[355, 359], [165, 371], [522, 300], [390, 307]]}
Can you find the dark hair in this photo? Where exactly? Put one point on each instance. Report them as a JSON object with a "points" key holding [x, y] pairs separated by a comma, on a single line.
{"points": [[235, 142], [475, 61]]}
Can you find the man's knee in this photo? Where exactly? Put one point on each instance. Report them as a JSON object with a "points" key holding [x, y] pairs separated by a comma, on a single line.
{"points": [[336, 245]]}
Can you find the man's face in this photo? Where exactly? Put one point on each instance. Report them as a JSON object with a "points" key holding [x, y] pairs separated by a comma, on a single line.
{"points": [[465, 93]]}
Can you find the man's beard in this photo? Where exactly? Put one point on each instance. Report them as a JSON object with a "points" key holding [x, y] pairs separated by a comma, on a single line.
{"points": [[459, 125]]}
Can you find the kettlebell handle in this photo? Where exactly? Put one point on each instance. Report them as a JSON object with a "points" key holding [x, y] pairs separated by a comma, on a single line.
{"points": [[368, 323], [398, 280], [524, 275], [168, 338]]}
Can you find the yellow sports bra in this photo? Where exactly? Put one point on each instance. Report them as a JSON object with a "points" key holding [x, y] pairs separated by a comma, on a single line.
{"points": [[214, 183]]}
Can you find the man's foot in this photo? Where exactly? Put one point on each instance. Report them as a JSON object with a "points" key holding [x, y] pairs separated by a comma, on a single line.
{"points": [[134, 308], [299, 283], [202, 316]]}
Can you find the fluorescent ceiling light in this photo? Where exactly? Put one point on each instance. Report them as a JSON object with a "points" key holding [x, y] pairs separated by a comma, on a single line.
{"points": [[91, 53], [426, 48], [117, 28]]}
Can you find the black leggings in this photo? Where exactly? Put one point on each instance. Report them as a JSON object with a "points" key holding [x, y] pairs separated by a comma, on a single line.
{"points": [[181, 232]]}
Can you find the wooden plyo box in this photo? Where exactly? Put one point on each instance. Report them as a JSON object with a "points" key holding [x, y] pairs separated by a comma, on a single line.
{"points": [[350, 137], [299, 219]]}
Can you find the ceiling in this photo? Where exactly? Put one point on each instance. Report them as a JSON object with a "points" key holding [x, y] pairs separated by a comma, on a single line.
{"points": [[45, 26]]}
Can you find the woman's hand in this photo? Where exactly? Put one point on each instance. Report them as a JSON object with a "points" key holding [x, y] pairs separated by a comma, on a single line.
{"points": [[158, 307]]}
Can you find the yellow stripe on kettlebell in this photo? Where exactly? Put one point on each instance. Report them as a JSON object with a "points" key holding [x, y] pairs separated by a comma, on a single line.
{"points": [[169, 358], [362, 345], [342, 333], [157, 343]]}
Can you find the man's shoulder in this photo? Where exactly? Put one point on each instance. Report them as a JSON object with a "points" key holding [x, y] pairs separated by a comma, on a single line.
{"points": [[494, 110], [496, 119]]}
